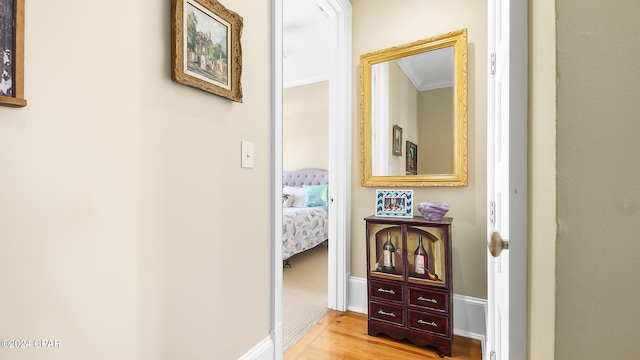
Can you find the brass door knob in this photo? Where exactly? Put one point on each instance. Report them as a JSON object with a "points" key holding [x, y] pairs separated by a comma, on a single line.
{"points": [[497, 244]]}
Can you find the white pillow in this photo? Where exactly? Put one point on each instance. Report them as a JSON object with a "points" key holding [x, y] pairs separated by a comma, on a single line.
{"points": [[297, 193], [290, 190]]}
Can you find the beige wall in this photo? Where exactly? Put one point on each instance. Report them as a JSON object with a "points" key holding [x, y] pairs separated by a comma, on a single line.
{"points": [[403, 111], [378, 24], [542, 181], [435, 131], [305, 126], [122, 202], [597, 313]]}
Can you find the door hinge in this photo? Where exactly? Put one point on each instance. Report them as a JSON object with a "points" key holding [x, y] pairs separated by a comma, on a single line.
{"points": [[492, 212], [493, 63], [493, 355]]}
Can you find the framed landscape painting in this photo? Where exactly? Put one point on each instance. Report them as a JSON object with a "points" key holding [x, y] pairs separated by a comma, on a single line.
{"points": [[206, 50], [12, 53]]}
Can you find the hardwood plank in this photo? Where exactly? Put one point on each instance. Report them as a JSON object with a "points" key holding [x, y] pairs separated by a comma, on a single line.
{"points": [[343, 335], [296, 350]]}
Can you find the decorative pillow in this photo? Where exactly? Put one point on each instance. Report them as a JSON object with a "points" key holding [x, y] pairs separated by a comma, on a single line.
{"points": [[317, 195], [287, 200], [297, 194]]}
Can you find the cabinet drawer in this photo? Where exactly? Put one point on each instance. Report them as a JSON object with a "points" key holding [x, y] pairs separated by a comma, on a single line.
{"points": [[385, 291], [428, 299], [429, 322], [390, 313]]}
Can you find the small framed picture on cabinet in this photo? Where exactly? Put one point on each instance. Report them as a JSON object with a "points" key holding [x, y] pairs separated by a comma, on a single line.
{"points": [[394, 203]]}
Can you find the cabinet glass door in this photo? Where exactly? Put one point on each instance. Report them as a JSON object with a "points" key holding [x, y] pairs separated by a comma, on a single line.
{"points": [[426, 260], [385, 251]]}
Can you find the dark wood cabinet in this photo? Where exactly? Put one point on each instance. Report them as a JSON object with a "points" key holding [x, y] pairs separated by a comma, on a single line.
{"points": [[406, 300]]}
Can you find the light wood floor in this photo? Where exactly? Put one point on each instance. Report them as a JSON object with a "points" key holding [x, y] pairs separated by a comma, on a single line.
{"points": [[343, 335]]}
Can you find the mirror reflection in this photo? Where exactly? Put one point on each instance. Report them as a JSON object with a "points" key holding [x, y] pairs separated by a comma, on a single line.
{"points": [[420, 102], [414, 113]]}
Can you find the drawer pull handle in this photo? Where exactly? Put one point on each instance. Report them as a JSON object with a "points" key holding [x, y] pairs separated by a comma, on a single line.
{"points": [[427, 323], [386, 291], [428, 300], [388, 314]]}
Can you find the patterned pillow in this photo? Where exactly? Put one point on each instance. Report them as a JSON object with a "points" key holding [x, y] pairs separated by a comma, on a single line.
{"points": [[297, 194], [317, 195], [287, 200]]}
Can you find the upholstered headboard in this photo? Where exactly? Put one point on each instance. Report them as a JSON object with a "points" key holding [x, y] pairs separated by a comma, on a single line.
{"points": [[305, 177]]}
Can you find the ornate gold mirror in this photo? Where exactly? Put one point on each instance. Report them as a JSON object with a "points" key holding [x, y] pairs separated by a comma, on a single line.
{"points": [[414, 113]]}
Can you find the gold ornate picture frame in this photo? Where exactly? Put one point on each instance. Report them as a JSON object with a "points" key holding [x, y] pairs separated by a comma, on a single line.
{"points": [[397, 140], [373, 172], [206, 51], [12, 53]]}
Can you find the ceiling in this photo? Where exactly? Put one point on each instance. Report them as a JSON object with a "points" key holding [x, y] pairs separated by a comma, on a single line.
{"points": [[305, 42], [429, 70]]}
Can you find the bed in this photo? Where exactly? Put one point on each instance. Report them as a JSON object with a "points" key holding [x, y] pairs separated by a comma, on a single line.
{"points": [[305, 216]]}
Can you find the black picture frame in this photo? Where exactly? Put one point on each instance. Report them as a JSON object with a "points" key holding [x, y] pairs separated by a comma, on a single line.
{"points": [[412, 158]]}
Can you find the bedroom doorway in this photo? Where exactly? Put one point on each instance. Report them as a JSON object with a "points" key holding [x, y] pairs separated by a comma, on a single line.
{"points": [[339, 166]]}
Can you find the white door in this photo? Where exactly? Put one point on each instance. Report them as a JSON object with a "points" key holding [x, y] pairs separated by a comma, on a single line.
{"points": [[507, 180]]}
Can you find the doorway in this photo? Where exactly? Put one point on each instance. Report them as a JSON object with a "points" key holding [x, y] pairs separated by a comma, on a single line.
{"points": [[340, 79]]}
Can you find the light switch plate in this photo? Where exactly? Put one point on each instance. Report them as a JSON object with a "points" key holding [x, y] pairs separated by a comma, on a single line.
{"points": [[246, 151]]}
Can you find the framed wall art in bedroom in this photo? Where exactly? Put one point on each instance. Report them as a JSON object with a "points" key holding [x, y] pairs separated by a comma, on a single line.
{"points": [[12, 53], [206, 52]]}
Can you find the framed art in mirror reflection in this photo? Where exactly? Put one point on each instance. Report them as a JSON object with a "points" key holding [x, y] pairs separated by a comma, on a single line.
{"points": [[397, 140], [412, 158]]}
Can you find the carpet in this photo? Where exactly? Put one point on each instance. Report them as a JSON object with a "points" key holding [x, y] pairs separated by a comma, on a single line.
{"points": [[304, 294]]}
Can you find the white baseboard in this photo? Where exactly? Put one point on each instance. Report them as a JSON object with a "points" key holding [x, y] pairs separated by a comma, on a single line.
{"points": [[262, 351], [357, 295], [469, 318]]}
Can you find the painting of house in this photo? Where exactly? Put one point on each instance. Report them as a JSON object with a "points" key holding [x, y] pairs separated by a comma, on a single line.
{"points": [[207, 39]]}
